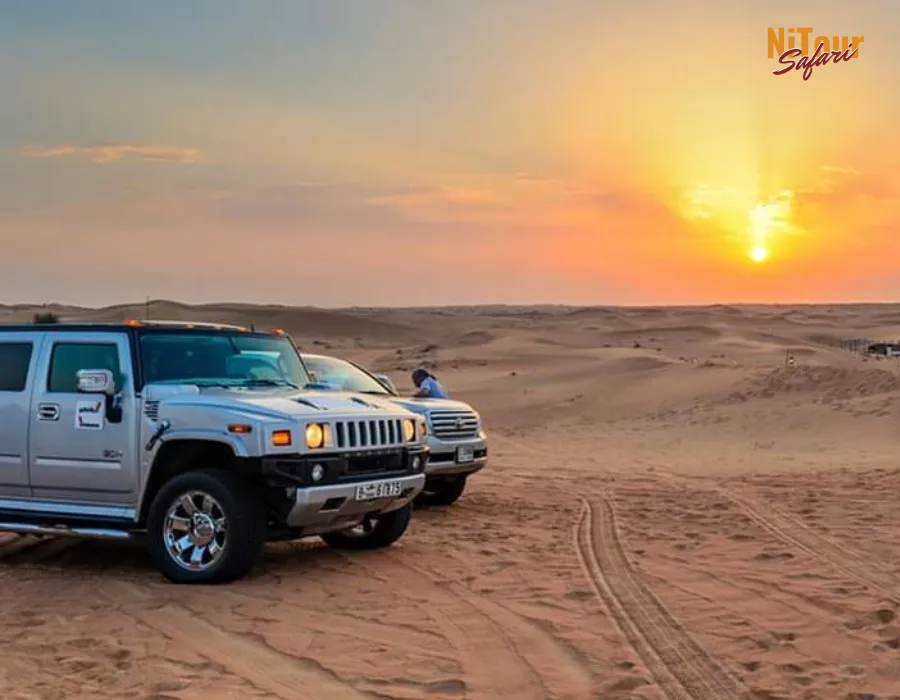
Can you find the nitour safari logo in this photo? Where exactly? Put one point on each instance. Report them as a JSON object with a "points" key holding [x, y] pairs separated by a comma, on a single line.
{"points": [[792, 49]]}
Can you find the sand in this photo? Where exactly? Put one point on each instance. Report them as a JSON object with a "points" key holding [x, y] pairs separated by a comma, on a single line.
{"points": [[669, 512]]}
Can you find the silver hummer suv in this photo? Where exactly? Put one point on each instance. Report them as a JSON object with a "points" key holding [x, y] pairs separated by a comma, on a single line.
{"points": [[190, 437]]}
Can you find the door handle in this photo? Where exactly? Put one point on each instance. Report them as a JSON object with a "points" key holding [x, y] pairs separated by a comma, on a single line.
{"points": [[48, 411]]}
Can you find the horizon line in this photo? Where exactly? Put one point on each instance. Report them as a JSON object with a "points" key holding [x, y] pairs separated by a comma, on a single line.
{"points": [[22, 306]]}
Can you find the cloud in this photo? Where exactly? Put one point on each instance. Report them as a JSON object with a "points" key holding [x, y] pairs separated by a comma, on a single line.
{"points": [[839, 170], [519, 200], [112, 152], [439, 195], [842, 184], [845, 196]]}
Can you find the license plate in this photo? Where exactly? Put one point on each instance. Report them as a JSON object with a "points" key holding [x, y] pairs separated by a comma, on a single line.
{"points": [[380, 489], [464, 455]]}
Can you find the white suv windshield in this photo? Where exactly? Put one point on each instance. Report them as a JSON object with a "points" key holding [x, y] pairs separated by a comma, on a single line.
{"points": [[343, 375], [220, 359]]}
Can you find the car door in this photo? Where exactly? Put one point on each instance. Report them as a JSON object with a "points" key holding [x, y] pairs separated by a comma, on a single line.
{"points": [[76, 452], [19, 352]]}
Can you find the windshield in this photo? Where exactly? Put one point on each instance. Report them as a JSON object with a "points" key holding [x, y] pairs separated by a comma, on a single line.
{"points": [[343, 375], [220, 359]]}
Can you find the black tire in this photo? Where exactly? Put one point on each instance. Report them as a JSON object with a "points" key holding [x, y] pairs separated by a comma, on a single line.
{"points": [[386, 530], [443, 493], [245, 518]]}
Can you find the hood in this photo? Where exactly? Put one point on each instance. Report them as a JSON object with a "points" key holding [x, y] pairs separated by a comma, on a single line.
{"points": [[275, 403], [424, 406]]}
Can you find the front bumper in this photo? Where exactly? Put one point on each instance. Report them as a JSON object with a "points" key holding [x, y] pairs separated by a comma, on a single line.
{"points": [[449, 457], [321, 509], [331, 504]]}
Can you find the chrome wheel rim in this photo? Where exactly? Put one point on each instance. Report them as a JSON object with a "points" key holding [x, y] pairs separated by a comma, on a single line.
{"points": [[195, 531]]}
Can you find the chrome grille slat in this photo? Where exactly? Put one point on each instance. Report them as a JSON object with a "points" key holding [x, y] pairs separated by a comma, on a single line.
{"points": [[368, 433]]}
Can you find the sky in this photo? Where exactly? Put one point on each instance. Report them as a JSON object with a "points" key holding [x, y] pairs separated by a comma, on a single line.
{"points": [[404, 153]]}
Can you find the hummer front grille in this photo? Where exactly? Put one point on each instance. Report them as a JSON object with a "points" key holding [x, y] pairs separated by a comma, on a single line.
{"points": [[454, 425], [369, 433]]}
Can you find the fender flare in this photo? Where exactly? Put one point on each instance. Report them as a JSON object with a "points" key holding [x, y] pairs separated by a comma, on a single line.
{"points": [[235, 443], [237, 446]]}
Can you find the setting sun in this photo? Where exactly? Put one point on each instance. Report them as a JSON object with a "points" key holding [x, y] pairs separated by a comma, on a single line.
{"points": [[759, 253], [768, 220]]}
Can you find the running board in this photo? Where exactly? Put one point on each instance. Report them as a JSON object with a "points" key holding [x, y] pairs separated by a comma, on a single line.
{"points": [[63, 530]]}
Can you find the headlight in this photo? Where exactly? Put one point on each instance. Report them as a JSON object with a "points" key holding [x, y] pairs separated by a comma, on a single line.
{"points": [[423, 429], [317, 473], [315, 436], [409, 430]]}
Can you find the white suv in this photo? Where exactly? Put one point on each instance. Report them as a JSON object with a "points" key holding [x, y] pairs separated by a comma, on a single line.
{"points": [[456, 437]]}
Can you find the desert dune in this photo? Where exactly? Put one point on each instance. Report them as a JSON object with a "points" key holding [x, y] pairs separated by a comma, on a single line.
{"points": [[670, 511]]}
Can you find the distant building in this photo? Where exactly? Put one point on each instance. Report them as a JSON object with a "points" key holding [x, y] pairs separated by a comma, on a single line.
{"points": [[888, 349]]}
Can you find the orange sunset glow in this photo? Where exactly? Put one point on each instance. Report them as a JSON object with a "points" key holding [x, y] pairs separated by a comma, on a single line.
{"points": [[579, 152]]}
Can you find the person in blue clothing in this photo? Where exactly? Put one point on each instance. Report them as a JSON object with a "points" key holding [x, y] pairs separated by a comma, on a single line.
{"points": [[427, 385]]}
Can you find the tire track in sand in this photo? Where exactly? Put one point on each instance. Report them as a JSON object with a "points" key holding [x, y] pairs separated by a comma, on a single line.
{"points": [[18, 545], [340, 623], [794, 533], [493, 666], [678, 664], [560, 675], [49, 549], [286, 677]]}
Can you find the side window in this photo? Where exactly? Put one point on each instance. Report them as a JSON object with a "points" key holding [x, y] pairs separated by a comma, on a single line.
{"points": [[14, 361], [68, 358]]}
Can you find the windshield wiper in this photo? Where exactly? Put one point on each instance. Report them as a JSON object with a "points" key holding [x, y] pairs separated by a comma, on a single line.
{"points": [[268, 382], [211, 385]]}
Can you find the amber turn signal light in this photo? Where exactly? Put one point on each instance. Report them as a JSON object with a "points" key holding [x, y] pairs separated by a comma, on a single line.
{"points": [[281, 438]]}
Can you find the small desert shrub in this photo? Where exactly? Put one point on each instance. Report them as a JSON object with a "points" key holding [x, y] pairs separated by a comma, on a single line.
{"points": [[46, 318]]}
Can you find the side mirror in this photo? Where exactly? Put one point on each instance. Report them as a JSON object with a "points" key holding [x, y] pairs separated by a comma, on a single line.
{"points": [[95, 381], [386, 382], [100, 381]]}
